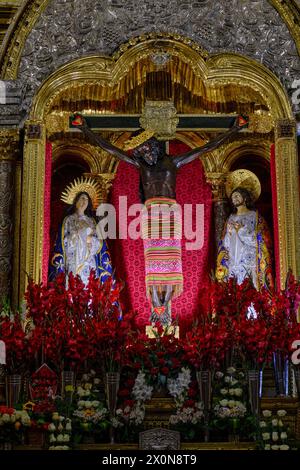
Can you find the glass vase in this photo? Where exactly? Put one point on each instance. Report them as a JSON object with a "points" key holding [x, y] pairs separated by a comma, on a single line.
{"points": [[112, 382], [204, 379], [67, 384], [281, 373], [2, 384], [13, 389], [255, 390], [297, 379]]}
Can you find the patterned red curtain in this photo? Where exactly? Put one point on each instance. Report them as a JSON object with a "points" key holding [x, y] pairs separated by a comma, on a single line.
{"points": [[128, 255]]}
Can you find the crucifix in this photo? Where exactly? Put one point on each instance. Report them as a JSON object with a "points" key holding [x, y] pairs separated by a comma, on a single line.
{"points": [[163, 268]]}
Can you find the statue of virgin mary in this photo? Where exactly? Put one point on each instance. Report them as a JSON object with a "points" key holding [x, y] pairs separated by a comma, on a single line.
{"points": [[79, 247]]}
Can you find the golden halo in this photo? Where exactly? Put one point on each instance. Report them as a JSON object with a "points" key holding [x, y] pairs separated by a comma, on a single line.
{"points": [[243, 179], [88, 185], [137, 140]]}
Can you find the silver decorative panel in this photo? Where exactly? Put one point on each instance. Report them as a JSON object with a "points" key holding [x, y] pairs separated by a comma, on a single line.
{"points": [[69, 29]]}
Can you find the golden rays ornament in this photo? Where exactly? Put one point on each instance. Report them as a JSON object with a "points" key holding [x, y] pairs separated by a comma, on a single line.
{"points": [[243, 179], [82, 184]]}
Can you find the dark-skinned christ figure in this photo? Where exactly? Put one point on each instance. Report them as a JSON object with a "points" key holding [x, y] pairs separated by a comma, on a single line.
{"points": [[158, 171]]}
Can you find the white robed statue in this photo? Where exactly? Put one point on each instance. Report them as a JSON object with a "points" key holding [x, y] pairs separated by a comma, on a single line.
{"points": [[244, 250]]}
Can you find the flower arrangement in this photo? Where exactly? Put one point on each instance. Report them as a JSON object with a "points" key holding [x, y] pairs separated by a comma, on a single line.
{"points": [[13, 335], [206, 343], [273, 431], [189, 415], [43, 384], [60, 430], [12, 424], [159, 357], [76, 323], [131, 413], [90, 415], [230, 410]]}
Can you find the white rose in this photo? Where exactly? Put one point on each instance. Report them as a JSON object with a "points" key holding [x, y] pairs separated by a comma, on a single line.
{"points": [[275, 436], [283, 435], [51, 427], [66, 438], [52, 438], [227, 379], [275, 422], [280, 423], [231, 391], [96, 381], [262, 424], [281, 413], [224, 391], [267, 447], [275, 447], [266, 436], [267, 413], [95, 403], [230, 370], [60, 438], [284, 447], [238, 392], [85, 378]]}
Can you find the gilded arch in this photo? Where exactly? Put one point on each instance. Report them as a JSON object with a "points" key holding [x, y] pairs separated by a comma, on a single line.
{"points": [[214, 72]]}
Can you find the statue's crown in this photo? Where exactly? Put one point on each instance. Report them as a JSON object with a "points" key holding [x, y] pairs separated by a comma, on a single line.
{"points": [[138, 140]]}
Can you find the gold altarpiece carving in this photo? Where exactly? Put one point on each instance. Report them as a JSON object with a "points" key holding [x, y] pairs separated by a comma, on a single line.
{"points": [[216, 77]]}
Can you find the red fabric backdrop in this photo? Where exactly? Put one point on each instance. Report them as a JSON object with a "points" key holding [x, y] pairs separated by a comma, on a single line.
{"points": [[128, 255]]}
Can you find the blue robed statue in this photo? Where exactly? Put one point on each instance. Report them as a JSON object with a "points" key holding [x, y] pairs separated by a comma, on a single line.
{"points": [[79, 247]]}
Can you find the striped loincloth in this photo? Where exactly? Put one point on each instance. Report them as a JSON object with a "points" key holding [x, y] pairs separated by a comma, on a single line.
{"points": [[162, 232]]}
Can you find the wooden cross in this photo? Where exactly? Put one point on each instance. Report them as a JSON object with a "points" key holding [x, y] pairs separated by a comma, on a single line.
{"points": [[187, 122]]}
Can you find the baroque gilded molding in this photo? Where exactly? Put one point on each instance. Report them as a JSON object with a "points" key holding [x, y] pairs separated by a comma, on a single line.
{"points": [[289, 13], [287, 184], [32, 222], [240, 72], [49, 34], [12, 47]]}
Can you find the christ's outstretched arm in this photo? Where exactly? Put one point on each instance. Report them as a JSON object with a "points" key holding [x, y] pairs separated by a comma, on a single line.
{"points": [[95, 139], [188, 157]]}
